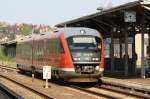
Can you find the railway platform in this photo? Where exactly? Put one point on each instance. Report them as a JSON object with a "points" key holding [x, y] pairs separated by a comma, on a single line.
{"points": [[139, 84]]}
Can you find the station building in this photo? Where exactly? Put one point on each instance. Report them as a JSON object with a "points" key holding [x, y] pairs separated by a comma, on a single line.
{"points": [[126, 33]]}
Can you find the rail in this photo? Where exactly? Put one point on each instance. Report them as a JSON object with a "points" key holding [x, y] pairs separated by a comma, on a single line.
{"points": [[104, 86]]}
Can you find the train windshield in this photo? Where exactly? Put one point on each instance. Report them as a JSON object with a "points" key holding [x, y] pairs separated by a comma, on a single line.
{"points": [[84, 43], [85, 49]]}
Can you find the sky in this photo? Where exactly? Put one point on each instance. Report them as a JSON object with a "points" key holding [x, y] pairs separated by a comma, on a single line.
{"points": [[50, 12]]}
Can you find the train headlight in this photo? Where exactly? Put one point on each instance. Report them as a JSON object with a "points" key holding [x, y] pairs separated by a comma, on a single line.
{"points": [[93, 58], [97, 59], [79, 59], [97, 68], [76, 59]]}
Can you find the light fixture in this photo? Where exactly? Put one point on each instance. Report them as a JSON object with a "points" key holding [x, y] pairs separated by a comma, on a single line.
{"points": [[82, 32]]}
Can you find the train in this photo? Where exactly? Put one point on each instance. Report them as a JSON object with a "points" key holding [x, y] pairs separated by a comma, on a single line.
{"points": [[75, 54]]}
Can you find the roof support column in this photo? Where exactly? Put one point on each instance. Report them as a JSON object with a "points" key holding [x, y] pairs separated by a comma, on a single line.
{"points": [[126, 51], [134, 54], [142, 55], [112, 51], [148, 52]]}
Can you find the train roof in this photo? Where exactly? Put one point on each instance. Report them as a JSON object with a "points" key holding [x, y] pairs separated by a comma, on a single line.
{"points": [[34, 36], [71, 31], [68, 32]]}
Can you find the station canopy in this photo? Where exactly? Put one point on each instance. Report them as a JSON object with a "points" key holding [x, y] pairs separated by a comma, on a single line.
{"points": [[105, 20]]}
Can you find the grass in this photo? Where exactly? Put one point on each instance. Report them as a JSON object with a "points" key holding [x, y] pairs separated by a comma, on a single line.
{"points": [[8, 61], [5, 59], [8, 58]]}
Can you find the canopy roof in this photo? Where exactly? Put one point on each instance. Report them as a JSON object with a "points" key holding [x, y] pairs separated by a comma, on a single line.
{"points": [[105, 20]]}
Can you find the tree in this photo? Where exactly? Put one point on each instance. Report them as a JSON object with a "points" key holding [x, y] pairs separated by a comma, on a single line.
{"points": [[26, 29]]}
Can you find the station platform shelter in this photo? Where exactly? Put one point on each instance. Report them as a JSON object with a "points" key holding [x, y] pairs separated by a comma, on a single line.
{"points": [[126, 33], [10, 48]]}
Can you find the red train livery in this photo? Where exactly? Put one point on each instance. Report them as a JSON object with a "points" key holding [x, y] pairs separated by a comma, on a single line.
{"points": [[75, 54]]}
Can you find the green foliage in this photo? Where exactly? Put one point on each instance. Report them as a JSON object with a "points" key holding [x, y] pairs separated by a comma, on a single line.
{"points": [[7, 58], [26, 29], [3, 55], [2, 51]]}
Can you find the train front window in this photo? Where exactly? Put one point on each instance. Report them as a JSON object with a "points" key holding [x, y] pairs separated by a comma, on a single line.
{"points": [[85, 48]]}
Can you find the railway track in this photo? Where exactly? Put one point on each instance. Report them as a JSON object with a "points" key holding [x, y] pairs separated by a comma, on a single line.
{"points": [[10, 69], [93, 92], [105, 91], [28, 88], [111, 92], [128, 92], [6, 93]]}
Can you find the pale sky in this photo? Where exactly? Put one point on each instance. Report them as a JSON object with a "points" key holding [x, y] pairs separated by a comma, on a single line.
{"points": [[50, 12]]}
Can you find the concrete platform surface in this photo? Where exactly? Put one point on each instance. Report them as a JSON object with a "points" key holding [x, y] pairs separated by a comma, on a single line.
{"points": [[135, 83]]}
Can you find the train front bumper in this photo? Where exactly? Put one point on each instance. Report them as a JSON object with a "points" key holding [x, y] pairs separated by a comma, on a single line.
{"points": [[72, 76]]}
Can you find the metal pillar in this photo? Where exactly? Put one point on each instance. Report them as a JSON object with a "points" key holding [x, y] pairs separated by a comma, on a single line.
{"points": [[126, 52], [148, 53], [142, 55], [134, 55], [112, 52]]}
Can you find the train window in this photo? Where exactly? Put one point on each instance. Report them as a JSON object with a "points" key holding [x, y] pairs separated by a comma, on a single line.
{"points": [[35, 51], [21, 50], [40, 50], [49, 46], [54, 46], [27, 51]]}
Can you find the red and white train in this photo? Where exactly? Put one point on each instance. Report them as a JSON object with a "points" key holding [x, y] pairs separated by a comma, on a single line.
{"points": [[75, 54]]}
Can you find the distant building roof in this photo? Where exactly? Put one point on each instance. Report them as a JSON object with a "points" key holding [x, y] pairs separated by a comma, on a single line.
{"points": [[13, 42]]}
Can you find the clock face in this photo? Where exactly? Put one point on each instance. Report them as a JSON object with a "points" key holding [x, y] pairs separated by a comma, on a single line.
{"points": [[130, 16]]}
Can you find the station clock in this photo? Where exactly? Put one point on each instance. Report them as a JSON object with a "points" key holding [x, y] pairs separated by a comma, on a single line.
{"points": [[130, 16]]}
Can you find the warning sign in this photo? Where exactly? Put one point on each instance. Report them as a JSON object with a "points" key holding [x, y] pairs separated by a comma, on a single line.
{"points": [[46, 72]]}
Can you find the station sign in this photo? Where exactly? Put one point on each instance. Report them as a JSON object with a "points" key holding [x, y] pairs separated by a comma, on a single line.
{"points": [[46, 72]]}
